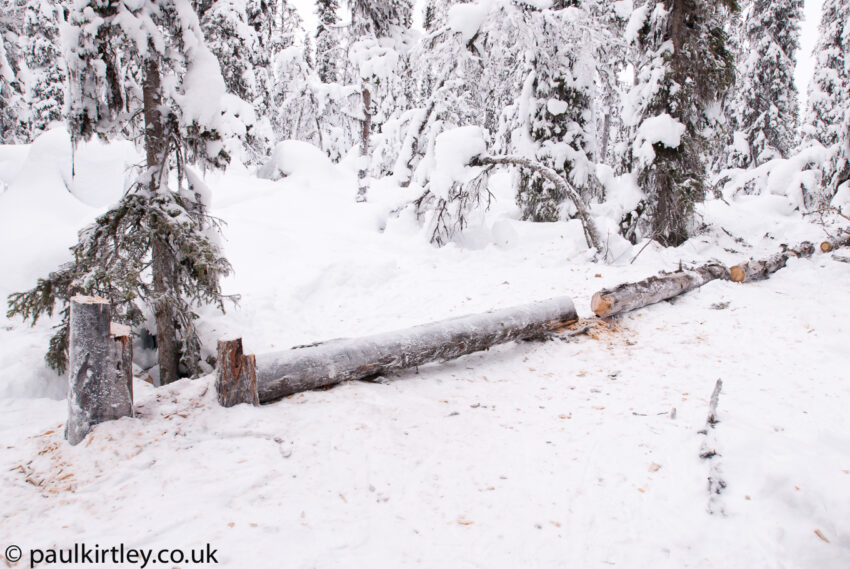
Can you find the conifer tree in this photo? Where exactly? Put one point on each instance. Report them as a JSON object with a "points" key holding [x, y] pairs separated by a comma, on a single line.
{"points": [[45, 62], [13, 113], [683, 66], [765, 103], [828, 112], [327, 40], [155, 251]]}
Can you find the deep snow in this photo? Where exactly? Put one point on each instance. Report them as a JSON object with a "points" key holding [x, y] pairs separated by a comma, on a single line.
{"points": [[557, 454]]}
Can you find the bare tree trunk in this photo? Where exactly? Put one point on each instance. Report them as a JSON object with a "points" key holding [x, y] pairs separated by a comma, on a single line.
{"points": [[590, 230], [365, 134], [328, 363], [630, 296], [163, 272]]}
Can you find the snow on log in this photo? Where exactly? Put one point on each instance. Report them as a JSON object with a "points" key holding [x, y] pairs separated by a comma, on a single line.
{"points": [[757, 270], [328, 363], [630, 296], [236, 375], [96, 393]]}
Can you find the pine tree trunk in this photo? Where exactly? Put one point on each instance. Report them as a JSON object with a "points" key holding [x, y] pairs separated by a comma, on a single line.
{"points": [[365, 133], [328, 363], [163, 272]]}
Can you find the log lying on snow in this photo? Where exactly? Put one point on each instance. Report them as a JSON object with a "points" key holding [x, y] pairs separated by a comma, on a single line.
{"points": [[629, 296], [757, 270], [320, 365]]}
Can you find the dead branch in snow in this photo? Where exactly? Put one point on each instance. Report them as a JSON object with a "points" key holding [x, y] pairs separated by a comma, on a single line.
{"points": [[708, 451]]}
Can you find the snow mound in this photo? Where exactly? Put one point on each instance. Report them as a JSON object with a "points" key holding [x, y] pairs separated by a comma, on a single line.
{"points": [[454, 150], [291, 157]]}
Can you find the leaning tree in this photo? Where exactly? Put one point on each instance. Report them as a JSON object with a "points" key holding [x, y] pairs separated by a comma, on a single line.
{"points": [[154, 253]]}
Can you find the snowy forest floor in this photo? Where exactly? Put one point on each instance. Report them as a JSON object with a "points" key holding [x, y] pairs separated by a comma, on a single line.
{"points": [[555, 454]]}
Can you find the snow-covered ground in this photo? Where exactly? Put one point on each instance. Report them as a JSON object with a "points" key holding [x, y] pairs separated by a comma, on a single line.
{"points": [[557, 454]]}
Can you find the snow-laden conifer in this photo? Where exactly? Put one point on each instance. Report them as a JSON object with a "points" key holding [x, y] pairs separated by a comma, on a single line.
{"points": [[828, 115], [683, 66], [155, 253]]}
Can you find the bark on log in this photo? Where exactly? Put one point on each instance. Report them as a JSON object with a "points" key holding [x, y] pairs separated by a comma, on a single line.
{"points": [[757, 270], [122, 358], [284, 373], [630, 296], [95, 393], [236, 375]]}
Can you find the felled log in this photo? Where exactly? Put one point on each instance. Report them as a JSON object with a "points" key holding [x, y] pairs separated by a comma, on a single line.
{"points": [[96, 393], [630, 296], [757, 270], [328, 363], [236, 375]]}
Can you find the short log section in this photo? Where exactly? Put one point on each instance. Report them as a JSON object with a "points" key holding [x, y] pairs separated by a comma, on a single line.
{"points": [[328, 363], [758, 270], [97, 391], [630, 296], [236, 375]]}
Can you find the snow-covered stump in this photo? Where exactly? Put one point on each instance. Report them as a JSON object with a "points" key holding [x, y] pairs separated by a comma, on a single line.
{"points": [[630, 296], [236, 375], [98, 391], [328, 363]]}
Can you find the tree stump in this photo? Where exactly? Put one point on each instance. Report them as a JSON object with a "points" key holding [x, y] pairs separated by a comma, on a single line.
{"points": [[236, 375], [96, 393], [122, 357]]}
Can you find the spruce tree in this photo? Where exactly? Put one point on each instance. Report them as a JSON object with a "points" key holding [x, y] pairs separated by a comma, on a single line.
{"points": [[828, 112], [46, 93], [683, 66], [765, 101], [327, 40], [154, 252], [13, 112]]}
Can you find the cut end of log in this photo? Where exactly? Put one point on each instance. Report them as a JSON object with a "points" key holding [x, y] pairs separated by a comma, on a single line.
{"points": [[119, 330], [82, 299], [737, 274], [826, 247], [600, 304]]}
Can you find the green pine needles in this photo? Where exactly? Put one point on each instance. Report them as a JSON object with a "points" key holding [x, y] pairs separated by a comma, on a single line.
{"points": [[113, 260]]}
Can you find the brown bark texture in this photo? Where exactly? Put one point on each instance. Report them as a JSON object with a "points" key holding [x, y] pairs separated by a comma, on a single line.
{"points": [[328, 363], [236, 375]]}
